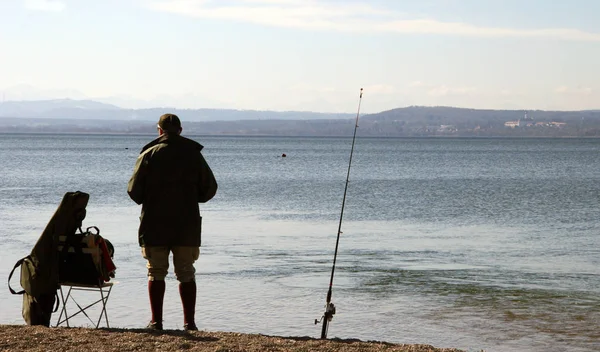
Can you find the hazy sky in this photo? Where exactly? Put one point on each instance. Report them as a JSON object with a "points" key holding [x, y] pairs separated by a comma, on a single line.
{"points": [[304, 54]]}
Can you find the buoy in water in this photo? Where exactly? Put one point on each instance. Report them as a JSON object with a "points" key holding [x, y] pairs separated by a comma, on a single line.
{"points": [[283, 155]]}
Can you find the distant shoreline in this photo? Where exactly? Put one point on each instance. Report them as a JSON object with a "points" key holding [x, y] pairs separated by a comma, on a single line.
{"points": [[415, 121], [151, 135]]}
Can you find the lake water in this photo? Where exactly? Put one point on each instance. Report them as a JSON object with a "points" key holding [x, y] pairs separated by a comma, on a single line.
{"points": [[471, 243]]}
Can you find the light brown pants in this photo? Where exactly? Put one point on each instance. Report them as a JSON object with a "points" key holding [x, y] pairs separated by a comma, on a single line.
{"points": [[184, 258]]}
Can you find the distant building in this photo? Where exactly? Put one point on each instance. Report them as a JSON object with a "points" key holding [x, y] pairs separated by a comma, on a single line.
{"points": [[447, 128], [550, 124], [526, 121]]}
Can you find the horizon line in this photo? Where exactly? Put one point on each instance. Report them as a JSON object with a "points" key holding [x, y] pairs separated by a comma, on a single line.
{"points": [[3, 101]]}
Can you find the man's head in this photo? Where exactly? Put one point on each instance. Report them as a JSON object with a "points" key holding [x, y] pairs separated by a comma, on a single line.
{"points": [[170, 124]]}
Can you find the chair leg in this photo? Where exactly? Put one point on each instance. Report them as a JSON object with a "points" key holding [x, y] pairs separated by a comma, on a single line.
{"points": [[63, 310], [104, 302], [64, 301], [64, 316]]}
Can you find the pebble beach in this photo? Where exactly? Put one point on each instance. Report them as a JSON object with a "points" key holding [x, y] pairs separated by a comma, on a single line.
{"points": [[40, 338]]}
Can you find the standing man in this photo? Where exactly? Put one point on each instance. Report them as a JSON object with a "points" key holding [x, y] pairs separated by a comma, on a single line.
{"points": [[170, 178]]}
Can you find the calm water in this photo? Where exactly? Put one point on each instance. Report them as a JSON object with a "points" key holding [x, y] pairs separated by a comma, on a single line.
{"points": [[470, 243]]}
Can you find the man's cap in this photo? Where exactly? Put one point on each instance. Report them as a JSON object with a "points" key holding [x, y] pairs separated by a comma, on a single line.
{"points": [[169, 123]]}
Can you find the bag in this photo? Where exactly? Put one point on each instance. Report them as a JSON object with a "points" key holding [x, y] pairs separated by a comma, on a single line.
{"points": [[38, 304], [39, 270], [32, 280], [38, 310], [85, 258]]}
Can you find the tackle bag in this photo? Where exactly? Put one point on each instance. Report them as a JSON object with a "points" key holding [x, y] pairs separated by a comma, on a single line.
{"points": [[39, 270], [85, 258], [38, 302]]}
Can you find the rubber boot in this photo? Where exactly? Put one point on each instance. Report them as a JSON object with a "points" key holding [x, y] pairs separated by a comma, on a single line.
{"points": [[156, 292], [187, 291]]}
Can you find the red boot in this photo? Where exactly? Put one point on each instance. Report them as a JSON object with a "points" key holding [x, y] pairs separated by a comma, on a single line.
{"points": [[187, 291], [156, 292]]}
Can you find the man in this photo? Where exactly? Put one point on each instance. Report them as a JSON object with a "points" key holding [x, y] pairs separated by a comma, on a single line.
{"points": [[170, 178]]}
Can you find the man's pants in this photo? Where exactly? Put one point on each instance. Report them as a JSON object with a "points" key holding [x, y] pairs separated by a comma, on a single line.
{"points": [[183, 261]]}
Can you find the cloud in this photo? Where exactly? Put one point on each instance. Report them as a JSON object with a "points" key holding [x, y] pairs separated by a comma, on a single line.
{"points": [[303, 87], [561, 89], [45, 5], [428, 26], [380, 89], [416, 84], [346, 16], [440, 90], [443, 90], [579, 90]]}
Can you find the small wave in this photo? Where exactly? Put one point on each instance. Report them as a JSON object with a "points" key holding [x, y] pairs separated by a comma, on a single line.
{"points": [[7, 189]]}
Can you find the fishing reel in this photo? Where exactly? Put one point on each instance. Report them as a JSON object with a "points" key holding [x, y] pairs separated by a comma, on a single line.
{"points": [[328, 315]]}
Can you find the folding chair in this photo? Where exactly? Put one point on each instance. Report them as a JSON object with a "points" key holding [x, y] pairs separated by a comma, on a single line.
{"points": [[84, 264], [103, 289]]}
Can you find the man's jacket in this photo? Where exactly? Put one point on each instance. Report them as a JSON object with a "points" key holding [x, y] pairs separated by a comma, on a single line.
{"points": [[170, 178]]}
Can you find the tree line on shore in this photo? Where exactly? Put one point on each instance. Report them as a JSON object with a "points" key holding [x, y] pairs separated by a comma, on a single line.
{"points": [[412, 121]]}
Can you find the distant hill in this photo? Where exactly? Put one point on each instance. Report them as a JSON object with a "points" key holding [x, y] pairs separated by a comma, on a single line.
{"points": [[51, 108], [86, 116], [88, 109], [451, 115], [450, 121]]}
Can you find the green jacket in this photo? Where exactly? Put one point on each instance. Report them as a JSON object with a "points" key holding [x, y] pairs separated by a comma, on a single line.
{"points": [[170, 178]]}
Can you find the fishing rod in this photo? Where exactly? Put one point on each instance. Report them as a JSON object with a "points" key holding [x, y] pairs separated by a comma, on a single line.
{"points": [[329, 306]]}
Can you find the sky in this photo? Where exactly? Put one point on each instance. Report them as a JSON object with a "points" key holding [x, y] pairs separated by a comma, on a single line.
{"points": [[306, 55]]}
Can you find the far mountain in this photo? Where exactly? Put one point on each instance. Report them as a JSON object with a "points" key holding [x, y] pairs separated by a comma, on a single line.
{"points": [[85, 116], [55, 108], [89, 109], [441, 115]]}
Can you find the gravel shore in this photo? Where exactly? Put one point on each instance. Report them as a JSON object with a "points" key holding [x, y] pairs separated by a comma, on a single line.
{"points": [[39, 338]]}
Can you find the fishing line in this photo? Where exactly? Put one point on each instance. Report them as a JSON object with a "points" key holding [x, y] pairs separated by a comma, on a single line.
{"points": [[329, 306]]}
